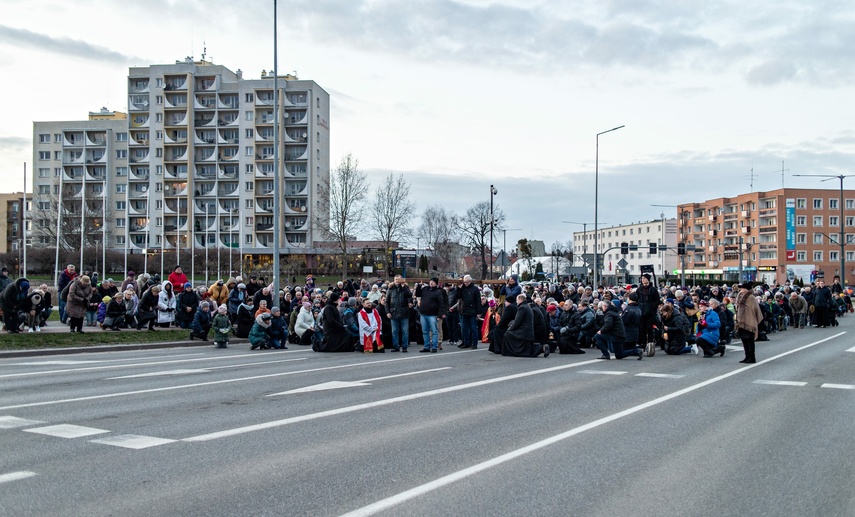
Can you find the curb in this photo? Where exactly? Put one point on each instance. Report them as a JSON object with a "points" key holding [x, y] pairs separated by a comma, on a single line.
{"points": [[111, 348]]}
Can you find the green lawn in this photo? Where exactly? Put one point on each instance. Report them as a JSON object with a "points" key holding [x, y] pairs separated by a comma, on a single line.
{"points": [[92, 336]]}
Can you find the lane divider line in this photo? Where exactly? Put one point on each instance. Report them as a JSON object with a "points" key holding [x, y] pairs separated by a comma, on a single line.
{"points": [[839, 386], [15, 476], [781, 383]]}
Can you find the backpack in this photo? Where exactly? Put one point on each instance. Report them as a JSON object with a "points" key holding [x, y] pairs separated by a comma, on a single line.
{"points": [[63, 296]]}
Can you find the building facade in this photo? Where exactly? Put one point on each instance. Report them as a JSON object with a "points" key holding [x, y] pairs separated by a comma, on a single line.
{"points": [[191, 166], [661, 232], [12, 211], [778, 235]]}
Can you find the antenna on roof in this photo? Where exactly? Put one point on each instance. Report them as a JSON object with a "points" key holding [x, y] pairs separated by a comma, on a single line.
{"points": [[204, 50], [783, 170]]}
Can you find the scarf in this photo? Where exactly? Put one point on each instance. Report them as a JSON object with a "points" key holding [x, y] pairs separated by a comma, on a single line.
{"points": [[748, 314], [368, 342]]}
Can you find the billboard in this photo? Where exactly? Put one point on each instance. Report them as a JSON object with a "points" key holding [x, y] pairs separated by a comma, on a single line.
{"points": [[791, 229]]}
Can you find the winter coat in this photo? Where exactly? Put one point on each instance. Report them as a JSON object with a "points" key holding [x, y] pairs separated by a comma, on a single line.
{"points": [[115, 309], [65, 278], [258, 334], [631, 317], [798, 305], [261, 296], [219, 293], [166, 299], [648, 300], [201, 321], [398, 301], [4, 282], [102, 312], [676, 332], [279, 328], [433, 301], [131, 305], [348, 320], [177, 281], [509, 291], [31, 302], [148, 302], [305, 321], [245, 320], [822, 297], [221, 327], [236, 298], [709, 325], [78, 299], [468, 299], [748, 314], [187, 299], [522, 328], [588, 321], [613, 324], [13, 296], [541, 329]]}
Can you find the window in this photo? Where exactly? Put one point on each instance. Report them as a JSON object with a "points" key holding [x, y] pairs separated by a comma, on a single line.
{"points": [[44, 139], [817, 203], [44, 205], [249, 168], [57, 171], [249, 185], [44, 155], [801, 238], [248, 239], [319, 102], [817, 256], [801, 220], [121, 137], [248, 203], [158, 83], [817, 238], [833, 256], [120, 223], [120, 239], [801, 203], [158, 170], [44, 172], [801, 256], [850, 204], [158, 187], [833, 221], [248, 150], [249, 133], [817, 221], [159, 152], [850, 255], [248, 97], [319, 154], [57, 138], [121, 189], [121, 171], [249, 221], [158, 117], [158, 135], [318, 137], [121, 154], [158, 204], [44, 189], [833, 239], [57, 155], [248, 115], [833, 204], [121, 205]]}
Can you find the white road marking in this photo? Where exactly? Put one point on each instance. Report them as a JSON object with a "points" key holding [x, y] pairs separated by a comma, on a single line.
{"points": [[227, 381], [424, 488], [197, 370], [851, 349], [781, 383], [133, 441], [839, 386], [734, 347], [660, 375], [602, 372], [53, 363], [334, 385], [66, 431], [11, 422], [137, 365], [377, 403], [15, 476]]}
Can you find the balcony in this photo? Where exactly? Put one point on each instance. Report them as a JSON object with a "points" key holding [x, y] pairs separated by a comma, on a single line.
{"points": [[138, 86], [175, 83], [176, 119], [205, 102], [139, 121], [228, 102], [746, 229], [264, 227], [207, 84], [205, 120], [768, 212], [768, 229]]}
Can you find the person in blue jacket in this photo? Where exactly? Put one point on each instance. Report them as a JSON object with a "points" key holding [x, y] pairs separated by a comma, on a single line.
{"points": [[708, 329], [512, 288]]}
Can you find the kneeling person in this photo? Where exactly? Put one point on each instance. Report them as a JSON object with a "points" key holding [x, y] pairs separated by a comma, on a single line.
{"points": [[519, 338]]}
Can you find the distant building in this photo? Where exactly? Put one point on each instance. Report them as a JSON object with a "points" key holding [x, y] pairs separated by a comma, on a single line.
{"points": [[12, 232]]}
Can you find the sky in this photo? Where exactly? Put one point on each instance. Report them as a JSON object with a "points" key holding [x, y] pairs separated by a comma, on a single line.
{"points": [[457, 95]]}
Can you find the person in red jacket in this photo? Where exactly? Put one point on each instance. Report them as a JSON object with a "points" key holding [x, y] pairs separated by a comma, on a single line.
{"points": [[177, 278]]}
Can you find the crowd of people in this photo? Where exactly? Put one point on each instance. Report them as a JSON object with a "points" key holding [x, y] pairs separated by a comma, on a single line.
{"points": [[511, 319]]}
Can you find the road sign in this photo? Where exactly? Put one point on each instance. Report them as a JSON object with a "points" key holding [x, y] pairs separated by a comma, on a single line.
{"points": [[589, 258], [622, 263]]}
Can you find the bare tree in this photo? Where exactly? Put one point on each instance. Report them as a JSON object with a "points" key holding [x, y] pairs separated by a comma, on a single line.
{"points": [[391, 213], [44, 216], [440, 234], [476, 229], [346, 190]]}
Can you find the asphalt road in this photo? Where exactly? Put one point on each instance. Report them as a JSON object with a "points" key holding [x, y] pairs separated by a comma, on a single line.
{"points": [[201, 431]]}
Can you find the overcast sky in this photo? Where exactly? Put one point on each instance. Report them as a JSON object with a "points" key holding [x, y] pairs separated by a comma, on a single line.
{"points": [[459, 94]]}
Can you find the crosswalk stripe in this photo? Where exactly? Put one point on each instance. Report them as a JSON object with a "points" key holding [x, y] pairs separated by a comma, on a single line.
{"points": [[602, 372], [132, 441], [66, 431]]}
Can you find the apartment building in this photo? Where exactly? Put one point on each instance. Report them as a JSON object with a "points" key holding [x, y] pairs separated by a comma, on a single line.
{"points": [[12, 212], [191, 165], [661, 232], [780, 235]]}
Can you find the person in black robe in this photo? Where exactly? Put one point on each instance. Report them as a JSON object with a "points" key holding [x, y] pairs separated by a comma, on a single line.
{"points": [[245, 318], [519, 338], [336, 338], [498, 333]]}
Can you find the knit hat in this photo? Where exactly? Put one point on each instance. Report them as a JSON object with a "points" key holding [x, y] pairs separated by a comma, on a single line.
{"points": [[131, 273], [307, 305], [204, 305], [106, 299], [435, 280], [364, 294], [266, 316], [551, 308], [25, 285], [222, 309], [241, 286], [333, 297], [188, 285]]}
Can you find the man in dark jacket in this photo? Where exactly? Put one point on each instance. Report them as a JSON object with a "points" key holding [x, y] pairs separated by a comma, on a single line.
{"points": [[648, 302], [11, 300], [519, 338], [399, 301], [65, 279], [433, 306], [188, 302], [4, 279], [467, 300], [568, 333], [498, 333], [822, 302], [613, 333], [512, 288], [278, 330], [631, 317]]}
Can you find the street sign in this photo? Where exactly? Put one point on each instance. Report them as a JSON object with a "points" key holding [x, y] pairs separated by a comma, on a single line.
{"points": [[622, 263], [589, 258]]}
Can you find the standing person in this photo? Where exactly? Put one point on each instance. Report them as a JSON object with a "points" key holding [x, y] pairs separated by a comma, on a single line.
{"points": [[130, 283], [613, 333], [178, 279], [748, 318], [253, 286], [11, 301], [709, 325], [799, 307], [399, 302], [385, 324], [222, 327], [4, 278], [79, 294], [432, 307], [467, 300], [823, 303], [65, 278], [519, 338], [201, 322], [369, 328], [245, 319], [648, 302], [511, 289]]}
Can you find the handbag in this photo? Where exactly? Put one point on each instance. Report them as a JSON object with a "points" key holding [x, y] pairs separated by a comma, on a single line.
{"points": [[165, 316]]}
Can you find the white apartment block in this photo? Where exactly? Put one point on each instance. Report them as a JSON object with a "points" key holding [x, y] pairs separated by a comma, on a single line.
{"points": [[642, 234], [193, 163]]}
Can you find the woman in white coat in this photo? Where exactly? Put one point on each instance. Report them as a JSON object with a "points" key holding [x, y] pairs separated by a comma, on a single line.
{"points": [[304, 327]]}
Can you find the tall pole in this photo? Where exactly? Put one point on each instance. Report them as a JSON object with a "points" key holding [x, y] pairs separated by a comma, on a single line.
{"points": [[276, 215], [58, 229], [596, 206], [147, 227], [840, 239], [205, 243], [162, 227], [493, 192], [82, 214], [24, 223], [740, 260]]}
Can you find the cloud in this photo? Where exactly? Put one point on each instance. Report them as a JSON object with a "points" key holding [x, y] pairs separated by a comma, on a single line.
{"points": [[62, 45], [10, 144]]}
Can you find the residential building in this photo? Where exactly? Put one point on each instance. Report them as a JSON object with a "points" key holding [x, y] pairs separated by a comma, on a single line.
{"points": [[783, 234], [191, 165], [12, 212], [659, 232]]}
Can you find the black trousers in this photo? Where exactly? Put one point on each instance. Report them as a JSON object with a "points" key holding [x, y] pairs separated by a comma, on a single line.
{"points": [[748, 344]]}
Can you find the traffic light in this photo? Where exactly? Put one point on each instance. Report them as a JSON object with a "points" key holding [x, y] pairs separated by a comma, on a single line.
{"points": [[624, 248], [653, 248], [681, 248]]}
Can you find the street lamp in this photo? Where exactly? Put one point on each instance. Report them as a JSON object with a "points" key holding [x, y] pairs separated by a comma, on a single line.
{"points": [[493, 192], [596, 205], [840, 240], [684, 214]]}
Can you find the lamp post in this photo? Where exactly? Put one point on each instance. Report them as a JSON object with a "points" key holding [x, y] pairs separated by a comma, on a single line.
{"points": [[596, 204], [505, 247], [493, 192], [840, 236], [276, 173], [163, 227], [684, 214]]}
